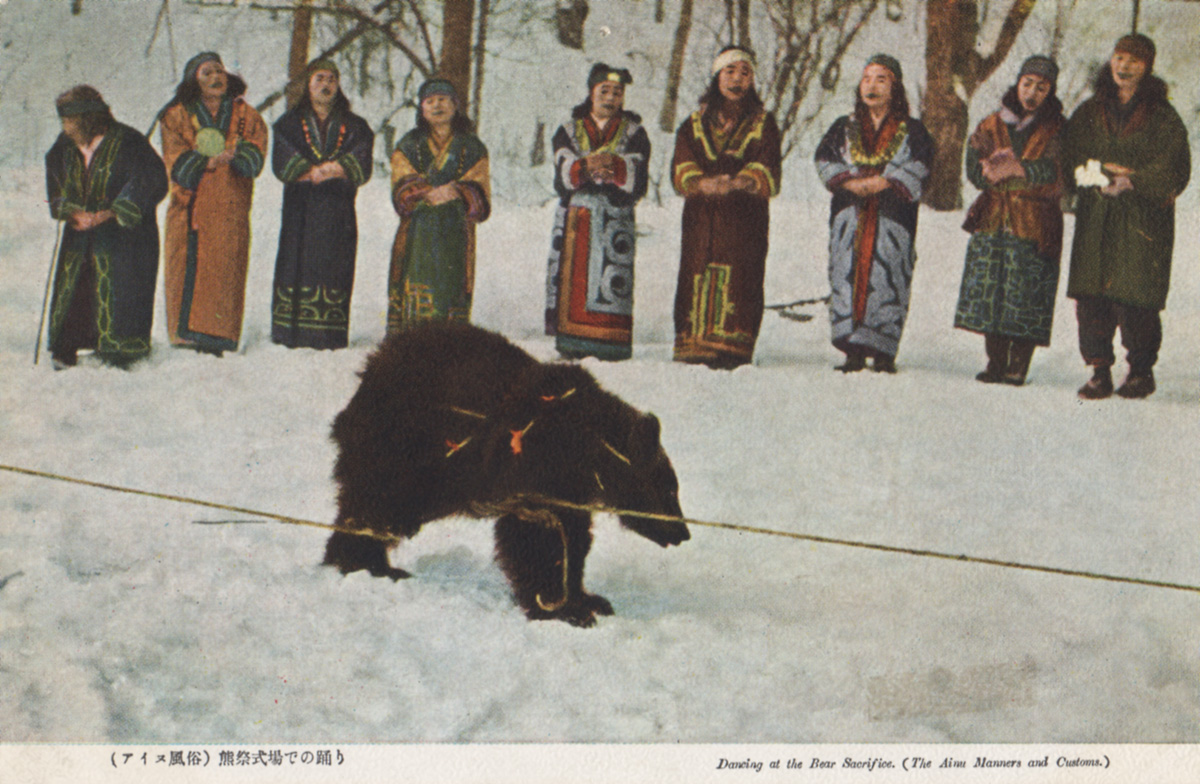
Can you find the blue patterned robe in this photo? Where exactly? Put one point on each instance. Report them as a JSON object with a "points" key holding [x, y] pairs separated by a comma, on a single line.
{"points": [[871, 255]]}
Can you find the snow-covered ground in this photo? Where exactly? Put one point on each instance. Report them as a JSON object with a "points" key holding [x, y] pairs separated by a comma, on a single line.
{"points": [[122, 620]]}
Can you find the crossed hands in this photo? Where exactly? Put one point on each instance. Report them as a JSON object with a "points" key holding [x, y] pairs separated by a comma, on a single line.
{"points": [[1120, 179], [85, 221], [442, 194], [601, 167], [1002, 165], [219, 160], [866, 187], [329, 170], [724, 184]]}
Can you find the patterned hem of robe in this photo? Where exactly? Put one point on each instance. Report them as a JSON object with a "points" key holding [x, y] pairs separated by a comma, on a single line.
{"points": [[1007, 289]]}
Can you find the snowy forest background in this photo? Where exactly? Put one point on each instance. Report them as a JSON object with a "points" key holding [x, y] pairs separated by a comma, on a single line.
{"points": [[121, 620]]}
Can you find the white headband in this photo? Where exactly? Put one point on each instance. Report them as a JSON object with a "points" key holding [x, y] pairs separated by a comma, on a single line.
{"points": [[731, 56]]}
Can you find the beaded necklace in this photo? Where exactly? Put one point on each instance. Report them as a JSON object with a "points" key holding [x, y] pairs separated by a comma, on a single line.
{"points": [[308, 140]]}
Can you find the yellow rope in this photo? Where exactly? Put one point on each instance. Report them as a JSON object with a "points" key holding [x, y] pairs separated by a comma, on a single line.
{"points": [[196, 502], [547, 501]]}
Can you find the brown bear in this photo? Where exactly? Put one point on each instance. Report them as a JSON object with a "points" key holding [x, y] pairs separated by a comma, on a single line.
{"points": [[451, 419]]}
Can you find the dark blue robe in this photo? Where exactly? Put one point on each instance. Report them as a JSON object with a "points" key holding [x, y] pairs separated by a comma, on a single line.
{"points": [[318, 236]]}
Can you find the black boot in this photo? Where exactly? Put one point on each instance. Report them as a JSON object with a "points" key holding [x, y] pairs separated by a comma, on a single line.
{"points": [[855, 361], [883, 363], [1137, 385], [1020, 354], [997, 354], [1099, 386]]}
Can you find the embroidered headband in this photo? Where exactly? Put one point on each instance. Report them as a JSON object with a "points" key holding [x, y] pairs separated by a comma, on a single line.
{"points": [[193, 65], [324, 65], [82, 106], [730, 56], [436, 87], [602, 72], [888, 62]]}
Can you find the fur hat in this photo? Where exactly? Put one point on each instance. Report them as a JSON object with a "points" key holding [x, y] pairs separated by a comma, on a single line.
{"points": [[1040, 65], [1139, 46]]}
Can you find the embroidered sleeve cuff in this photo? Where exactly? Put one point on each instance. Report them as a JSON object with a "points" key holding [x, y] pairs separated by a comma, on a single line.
{"points": [[684, 174], [1040, 172], [128, 214], [767, 186], [62, 210], [295, 168], [577, 174], [247, 160], [354, 172], [620, 173], [478, 208], [408, 193], [900, 189], [188, 169]]}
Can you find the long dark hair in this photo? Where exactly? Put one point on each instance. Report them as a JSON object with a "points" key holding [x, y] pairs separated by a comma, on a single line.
{"points": [[898, 105], [713, 101], [1151, 87], [188, 90]]}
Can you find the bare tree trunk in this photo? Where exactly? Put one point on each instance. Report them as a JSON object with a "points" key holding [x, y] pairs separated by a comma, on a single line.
{"points": [[954, 70], [666, 119], [298, 55], [569, 16], [743, 23], [455, 63], [485, 7]]}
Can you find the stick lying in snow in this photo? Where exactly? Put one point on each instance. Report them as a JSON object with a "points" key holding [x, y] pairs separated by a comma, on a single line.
{"points": [[963, 558]]}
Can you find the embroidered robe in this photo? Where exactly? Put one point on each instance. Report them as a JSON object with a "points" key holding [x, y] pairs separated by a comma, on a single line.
{"points": [[208, 222], [318, 236], [103, 295], [589, 288], [1010, 277], [432, 274], [719, 292], [871, 240]]}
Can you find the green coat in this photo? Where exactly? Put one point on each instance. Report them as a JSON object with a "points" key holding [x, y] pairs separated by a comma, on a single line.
{"points": [[1122, 245]]}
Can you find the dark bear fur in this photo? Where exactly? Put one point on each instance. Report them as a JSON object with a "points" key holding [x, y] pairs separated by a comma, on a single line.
{"points": [[430, 433]]}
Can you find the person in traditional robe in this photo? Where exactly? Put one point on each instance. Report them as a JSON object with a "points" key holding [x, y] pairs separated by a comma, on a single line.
{"points": [[875, 163], [1010, 277], [441, 189], [103, 181], [323, 154], [1125, 219], [601, 157], [213, 145], [726, 166]]}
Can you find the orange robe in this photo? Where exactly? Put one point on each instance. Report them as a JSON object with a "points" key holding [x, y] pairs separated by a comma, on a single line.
{"points": [[208, 224]]}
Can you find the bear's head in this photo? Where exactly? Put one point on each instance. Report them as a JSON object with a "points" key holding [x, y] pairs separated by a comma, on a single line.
{"points": [[645, 481]]}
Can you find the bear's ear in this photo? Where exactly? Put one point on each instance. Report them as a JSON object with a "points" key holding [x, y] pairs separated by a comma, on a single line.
{"points": [[644, 437]]}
